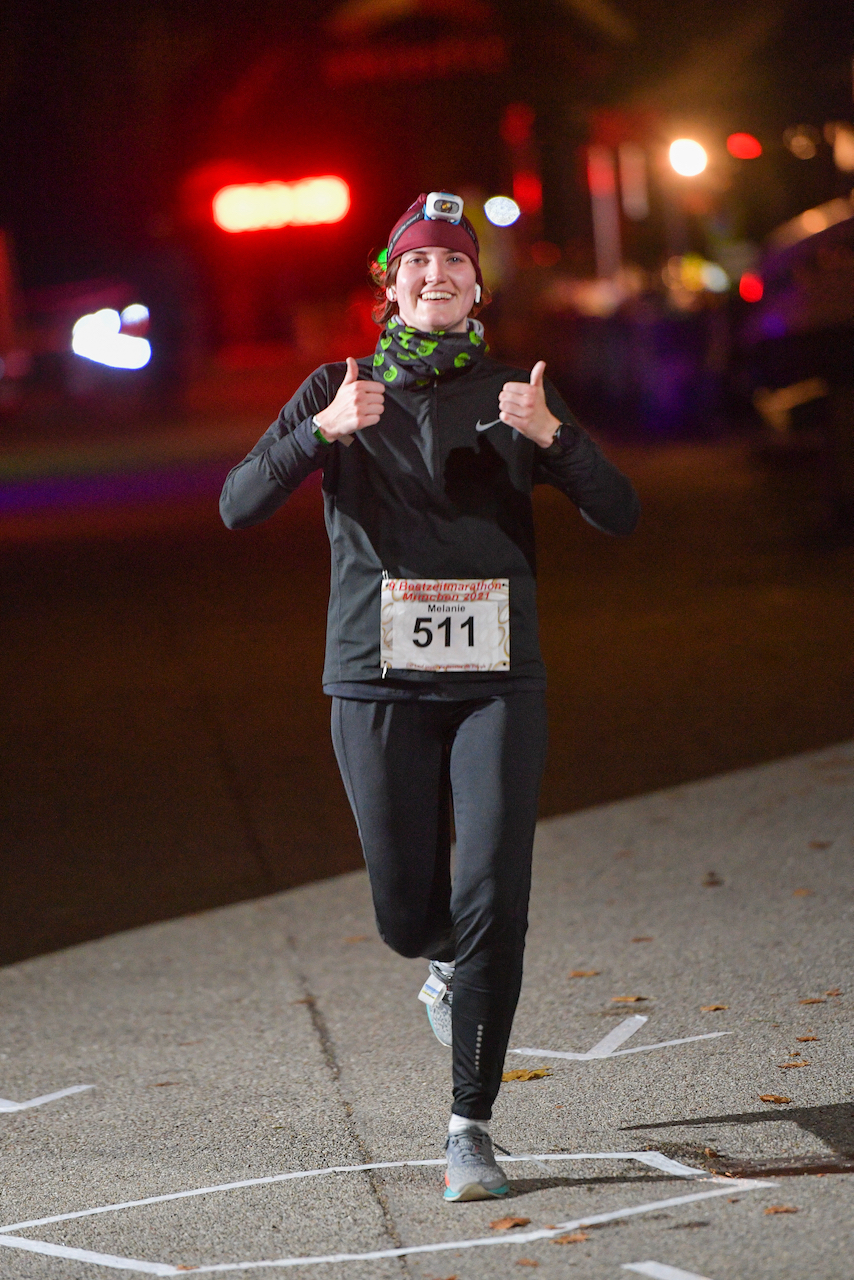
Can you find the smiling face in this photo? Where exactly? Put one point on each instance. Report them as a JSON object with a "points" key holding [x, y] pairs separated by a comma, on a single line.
{"points": [[434, 289]]}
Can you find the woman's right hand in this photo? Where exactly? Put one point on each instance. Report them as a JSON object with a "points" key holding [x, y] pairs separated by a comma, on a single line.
{"points": [[356, 405]]}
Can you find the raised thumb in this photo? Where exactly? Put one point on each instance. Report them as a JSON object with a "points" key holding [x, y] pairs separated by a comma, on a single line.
{"points": [[352, 374], [537, 373]]}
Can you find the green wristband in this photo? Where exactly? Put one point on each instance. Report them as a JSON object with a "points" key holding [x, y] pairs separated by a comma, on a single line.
{"points": [[318, 434]]}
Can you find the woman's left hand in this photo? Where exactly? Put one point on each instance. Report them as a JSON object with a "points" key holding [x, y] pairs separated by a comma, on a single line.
{"points": [[523, 405]]}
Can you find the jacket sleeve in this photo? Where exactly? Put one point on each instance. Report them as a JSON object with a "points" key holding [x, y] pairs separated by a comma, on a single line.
{"points": [[286, 453], [577, 466]]}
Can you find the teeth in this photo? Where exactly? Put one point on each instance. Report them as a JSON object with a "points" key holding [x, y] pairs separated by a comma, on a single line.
{"points": [[436, 297]]}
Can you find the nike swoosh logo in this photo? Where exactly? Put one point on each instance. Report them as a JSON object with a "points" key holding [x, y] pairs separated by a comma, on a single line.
{"points": [[484, 426]]}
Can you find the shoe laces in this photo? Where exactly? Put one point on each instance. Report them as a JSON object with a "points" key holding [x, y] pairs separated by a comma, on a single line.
{"points": [[472, 1141]]}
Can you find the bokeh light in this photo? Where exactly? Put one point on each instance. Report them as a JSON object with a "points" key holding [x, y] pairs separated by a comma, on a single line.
{"points": [[97, 337], [257, 206], [687, 157], [750, 287], [802, 140], [501, 211], [136, 313], [744, 146]]}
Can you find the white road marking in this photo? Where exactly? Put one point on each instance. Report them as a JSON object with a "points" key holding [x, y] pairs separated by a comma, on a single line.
{"points": [[661, 1271], [722, 1187], [85, 1255], [654, 1159], [608, 1047], [6, 1104]]}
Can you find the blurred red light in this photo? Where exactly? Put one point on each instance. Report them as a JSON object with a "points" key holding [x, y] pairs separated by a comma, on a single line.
{"points": [[256, 206], [517, 123], [528, 191], [744, 146], [750, 287]]}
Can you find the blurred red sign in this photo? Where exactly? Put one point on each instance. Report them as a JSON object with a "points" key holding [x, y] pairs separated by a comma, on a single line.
{"points": [[440, 59]]}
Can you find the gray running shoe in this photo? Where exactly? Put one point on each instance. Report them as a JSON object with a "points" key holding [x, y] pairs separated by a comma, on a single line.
{"points": [[472, 1172], [437, 996]]}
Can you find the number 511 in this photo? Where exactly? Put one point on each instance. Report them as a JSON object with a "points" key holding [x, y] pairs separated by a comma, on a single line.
{"points": [[423, 634]]}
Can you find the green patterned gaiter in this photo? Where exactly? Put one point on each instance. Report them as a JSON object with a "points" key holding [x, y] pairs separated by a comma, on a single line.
{"points": [[405, 357]]}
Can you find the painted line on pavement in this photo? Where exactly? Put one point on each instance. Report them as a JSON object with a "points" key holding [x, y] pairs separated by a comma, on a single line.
{"points": [[86, 1255], [654, 1159], [6, 1104], [525, 1237], [661, 1271], [608, 1047]]}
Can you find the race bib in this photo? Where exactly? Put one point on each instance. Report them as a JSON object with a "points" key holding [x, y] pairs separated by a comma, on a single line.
{"points": [[457, 625]]}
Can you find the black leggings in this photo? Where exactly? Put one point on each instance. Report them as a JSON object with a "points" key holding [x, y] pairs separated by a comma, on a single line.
{"points": [[401, 763]]}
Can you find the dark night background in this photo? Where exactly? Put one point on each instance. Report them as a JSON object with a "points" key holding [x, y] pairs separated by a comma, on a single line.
{"points": [[166, 740]]}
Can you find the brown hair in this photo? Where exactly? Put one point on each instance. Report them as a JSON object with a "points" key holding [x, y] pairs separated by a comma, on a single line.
{"points": [[383, 309]]}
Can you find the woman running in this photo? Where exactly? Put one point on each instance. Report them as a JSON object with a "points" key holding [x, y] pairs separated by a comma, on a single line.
{"points": [[429, 450]]}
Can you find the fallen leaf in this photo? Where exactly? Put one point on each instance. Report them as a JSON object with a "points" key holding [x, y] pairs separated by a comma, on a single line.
{"points": [[813, 1000], [506, 1224], [358, 937], [773, 1097], [577, 1237], [803, 893], [523, 1073], [163, 1084], [627, 999], [305, 1000], [834, 991], [803, 1039], [644, 938], [790, 1066], [820, 844], [781, 1208], [584, 973], [712, 880], [712, 1008], [527, 1262]]}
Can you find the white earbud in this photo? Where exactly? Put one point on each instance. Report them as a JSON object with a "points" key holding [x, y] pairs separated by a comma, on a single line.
{"points": [[477, 293], [390, 294]]}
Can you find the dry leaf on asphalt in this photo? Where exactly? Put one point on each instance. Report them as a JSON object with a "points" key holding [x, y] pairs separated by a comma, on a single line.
{"points": [[803, 893], [527, 1262], [802, 1039], [523, 1073], [712, 1008], [834, 991], [773, 1097], [712, 880], [813, 1000], [781, 1208], [644, 937], [164, 1084], [786, 1066], [505, 1224], [627, 999], [358, 937], [584, 973], [576, 1237], [820, 844]]}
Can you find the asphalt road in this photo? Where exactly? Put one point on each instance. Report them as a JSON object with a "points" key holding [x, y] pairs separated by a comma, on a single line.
{"points": [[258, 1057], [166, 736]]}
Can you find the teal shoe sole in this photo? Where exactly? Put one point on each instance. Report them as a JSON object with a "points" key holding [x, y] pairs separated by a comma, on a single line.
{"points": [[474, 1191]]}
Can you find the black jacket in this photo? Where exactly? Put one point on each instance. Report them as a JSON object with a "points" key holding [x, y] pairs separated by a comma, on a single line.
{"points": [[425, 494]]}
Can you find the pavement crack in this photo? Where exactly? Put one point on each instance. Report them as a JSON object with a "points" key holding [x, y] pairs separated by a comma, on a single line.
{"points": [[330, 1057]]}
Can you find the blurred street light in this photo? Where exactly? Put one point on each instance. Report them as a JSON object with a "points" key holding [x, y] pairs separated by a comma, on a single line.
{"points": [[802, 140], [98, 337], [501, 211], [750, 287], [687, 157]]}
